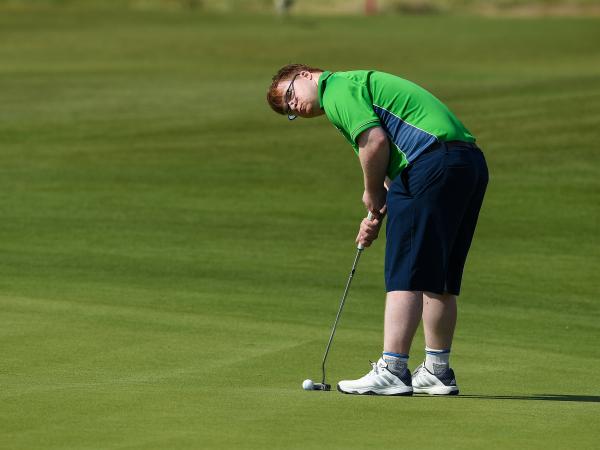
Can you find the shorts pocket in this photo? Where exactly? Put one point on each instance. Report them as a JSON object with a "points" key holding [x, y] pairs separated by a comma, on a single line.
{"points": [[426, 174]]}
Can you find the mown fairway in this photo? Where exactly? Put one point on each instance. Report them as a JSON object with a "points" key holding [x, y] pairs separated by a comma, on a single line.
{"points": [[173, 253]]}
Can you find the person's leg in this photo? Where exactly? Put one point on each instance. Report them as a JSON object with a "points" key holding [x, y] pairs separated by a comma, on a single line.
{"points": [[439, 319], [434, 375], [390, 375], [403, 311]]}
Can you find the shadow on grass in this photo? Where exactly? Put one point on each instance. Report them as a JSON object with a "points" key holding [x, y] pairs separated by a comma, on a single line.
{"points": [[546, 397]]}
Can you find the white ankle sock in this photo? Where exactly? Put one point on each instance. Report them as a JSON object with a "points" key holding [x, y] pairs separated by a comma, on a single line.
{"points": [[436, 361], [397, 362]]}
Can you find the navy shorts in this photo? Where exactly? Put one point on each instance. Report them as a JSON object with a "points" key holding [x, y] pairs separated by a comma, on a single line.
{"points": [[433, 205]]}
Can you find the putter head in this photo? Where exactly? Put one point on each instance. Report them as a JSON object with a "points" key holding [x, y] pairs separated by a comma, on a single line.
{"points": [[321, 387]]}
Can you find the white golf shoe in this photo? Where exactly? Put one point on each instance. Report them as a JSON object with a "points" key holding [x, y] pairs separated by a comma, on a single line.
{"points": [[379, 381], [425, 382]]}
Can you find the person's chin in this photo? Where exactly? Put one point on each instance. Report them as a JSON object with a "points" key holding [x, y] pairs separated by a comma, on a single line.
{"points": [[308, 113]]}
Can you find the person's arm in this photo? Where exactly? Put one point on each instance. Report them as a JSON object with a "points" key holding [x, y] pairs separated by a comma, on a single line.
{"points": [[374, 155]]}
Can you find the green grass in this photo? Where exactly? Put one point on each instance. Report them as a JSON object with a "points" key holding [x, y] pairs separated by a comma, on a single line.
{"points": [[173, 253]]}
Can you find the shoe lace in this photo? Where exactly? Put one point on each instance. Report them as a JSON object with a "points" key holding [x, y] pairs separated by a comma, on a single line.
{"points": [[419, 373], [375, 368]]}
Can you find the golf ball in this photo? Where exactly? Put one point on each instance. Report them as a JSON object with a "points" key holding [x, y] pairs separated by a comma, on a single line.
{"points": [[307, 385]]}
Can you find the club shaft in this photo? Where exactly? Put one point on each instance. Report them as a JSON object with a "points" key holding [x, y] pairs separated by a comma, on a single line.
{"points": [[337, 317]]}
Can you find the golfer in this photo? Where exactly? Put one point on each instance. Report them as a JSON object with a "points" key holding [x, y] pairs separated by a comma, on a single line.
{"points": [[422, 168]]}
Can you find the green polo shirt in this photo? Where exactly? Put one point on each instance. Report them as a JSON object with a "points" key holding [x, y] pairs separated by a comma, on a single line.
{"points": [[412, 117]]}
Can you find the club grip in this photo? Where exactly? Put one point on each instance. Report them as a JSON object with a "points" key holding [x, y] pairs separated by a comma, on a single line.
{"points": [[369, 217]]}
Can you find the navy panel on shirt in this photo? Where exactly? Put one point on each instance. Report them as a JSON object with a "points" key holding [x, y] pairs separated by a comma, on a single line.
{"points": [[411, 140]]}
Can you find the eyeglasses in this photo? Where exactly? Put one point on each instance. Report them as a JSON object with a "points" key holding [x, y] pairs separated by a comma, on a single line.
{"points": [[289, 94]]}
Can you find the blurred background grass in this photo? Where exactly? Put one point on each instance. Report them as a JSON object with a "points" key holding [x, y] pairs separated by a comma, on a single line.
{"points": [[485, 7]]}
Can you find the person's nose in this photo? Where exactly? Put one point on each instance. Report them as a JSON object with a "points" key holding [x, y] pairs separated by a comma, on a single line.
{"points": [[293, 103]]}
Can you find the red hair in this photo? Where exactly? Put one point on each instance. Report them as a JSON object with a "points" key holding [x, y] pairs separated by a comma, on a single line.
{"points": [[274, 95]]}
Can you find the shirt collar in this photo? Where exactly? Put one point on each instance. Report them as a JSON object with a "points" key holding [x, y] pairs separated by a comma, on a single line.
{"points": [[322, 82]]}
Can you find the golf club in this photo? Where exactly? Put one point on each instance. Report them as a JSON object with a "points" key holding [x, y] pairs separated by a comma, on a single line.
{"points": [[323, 386]]}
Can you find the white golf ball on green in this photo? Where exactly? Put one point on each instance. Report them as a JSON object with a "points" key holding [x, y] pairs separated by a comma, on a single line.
{"points": [[307, 385]]}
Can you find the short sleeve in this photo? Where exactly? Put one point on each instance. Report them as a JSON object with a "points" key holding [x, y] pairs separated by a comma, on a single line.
{"points": [[349, 106]]}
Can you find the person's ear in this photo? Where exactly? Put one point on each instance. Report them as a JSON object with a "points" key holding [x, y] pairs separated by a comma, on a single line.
{"points": [[306, 74]]}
